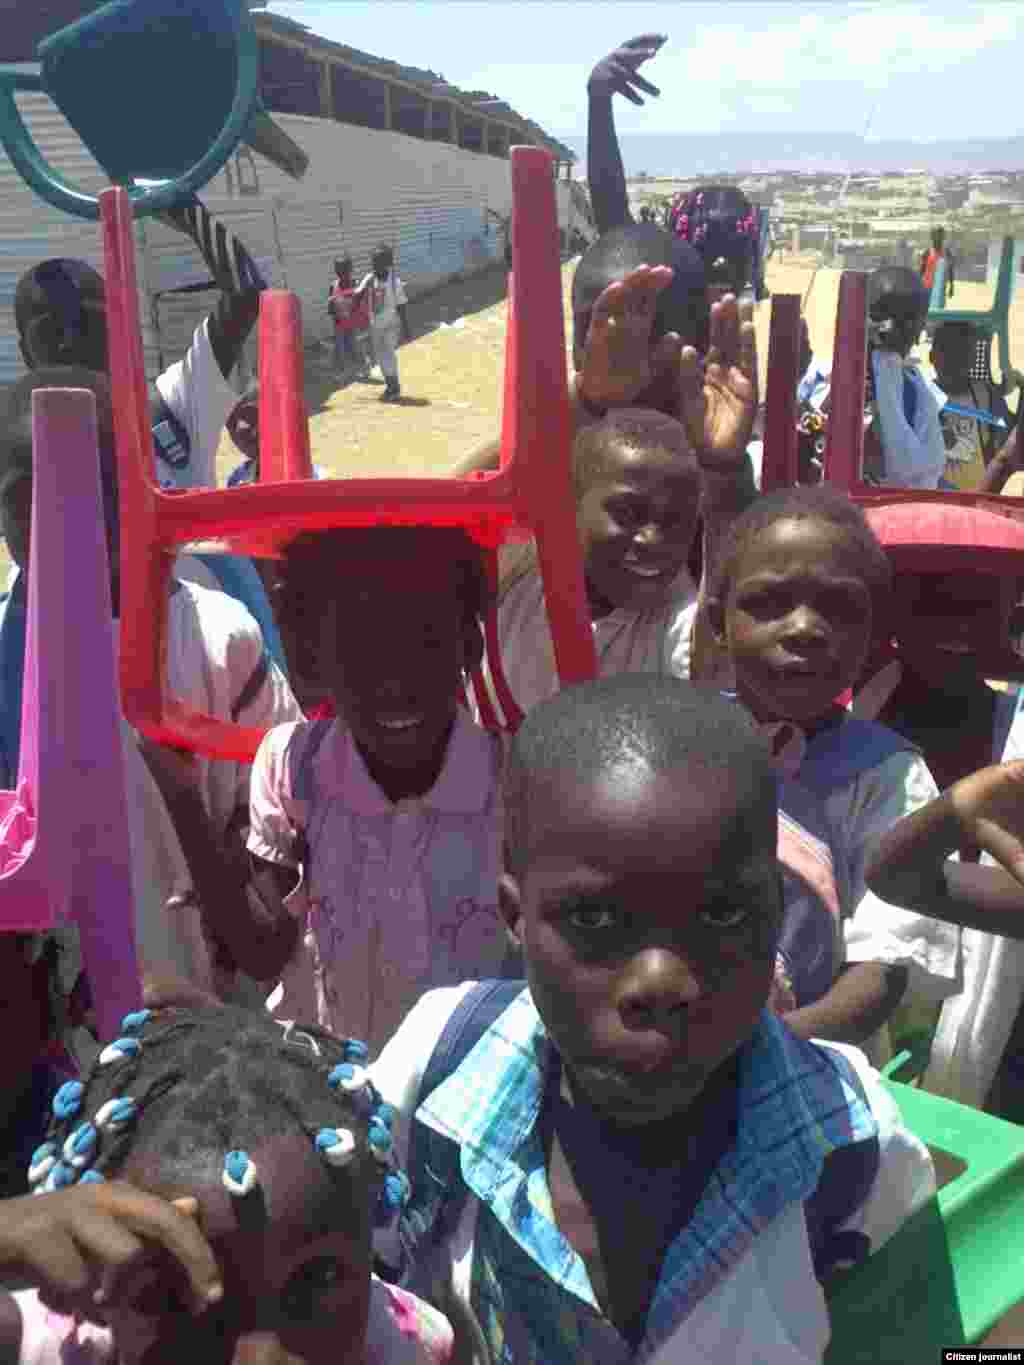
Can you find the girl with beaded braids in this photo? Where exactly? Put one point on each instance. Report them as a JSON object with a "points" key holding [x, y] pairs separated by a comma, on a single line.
{"points": [[209, 1194]]}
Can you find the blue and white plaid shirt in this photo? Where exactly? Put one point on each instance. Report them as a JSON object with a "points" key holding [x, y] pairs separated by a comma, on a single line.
{"points": [[797, 1102]]}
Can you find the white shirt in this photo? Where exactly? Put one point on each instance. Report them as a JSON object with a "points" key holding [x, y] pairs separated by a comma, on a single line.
{"points": [[386, 297], [915, 457], [201, 399]]}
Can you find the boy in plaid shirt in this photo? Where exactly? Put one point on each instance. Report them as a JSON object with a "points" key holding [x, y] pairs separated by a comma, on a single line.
{"points": [[623, 1165]]}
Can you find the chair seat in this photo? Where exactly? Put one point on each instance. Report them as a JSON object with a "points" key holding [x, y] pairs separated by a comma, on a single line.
{"points": [[954, 1269]]}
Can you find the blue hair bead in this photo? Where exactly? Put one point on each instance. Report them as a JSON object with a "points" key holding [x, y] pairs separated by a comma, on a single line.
{"points": [[90, 1178], [354, 1051], [347, 1077], [386, 1113], [239, 1174], [337, 1146], [116, 1114], [394, 1194], [379, 1139], [119, 1049], [42, 1162], [68, 1100], [60, 1177], [135, 1022], [80, 1146]]}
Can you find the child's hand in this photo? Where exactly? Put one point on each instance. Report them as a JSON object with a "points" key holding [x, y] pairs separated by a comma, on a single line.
{"points": [[989, 807], [718, 407], [616, 74], [75, 1244], [618, 360]]}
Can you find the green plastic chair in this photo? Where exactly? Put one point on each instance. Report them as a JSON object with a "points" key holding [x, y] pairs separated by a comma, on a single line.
{"points": [[955, 1268], [114, 75], [994, 321]]}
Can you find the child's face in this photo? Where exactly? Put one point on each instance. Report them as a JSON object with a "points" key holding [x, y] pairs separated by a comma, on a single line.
{"points": [[648, 910], [295, 1258], [951, 356], [382, 264], [637, 521], [243, 426], [392, 655], [46, 340], [797, 623]]}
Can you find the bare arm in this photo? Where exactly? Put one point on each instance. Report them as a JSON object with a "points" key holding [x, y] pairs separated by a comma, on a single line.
{"points": [[614, 74], [911, 864], [861, 1000]]}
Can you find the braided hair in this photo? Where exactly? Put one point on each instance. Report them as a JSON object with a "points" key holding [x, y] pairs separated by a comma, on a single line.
{"points": [[720, 222], [197, 1086]]}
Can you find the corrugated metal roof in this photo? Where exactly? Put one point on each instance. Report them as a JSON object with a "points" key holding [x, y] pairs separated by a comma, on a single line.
{"points": [[429, 82]]}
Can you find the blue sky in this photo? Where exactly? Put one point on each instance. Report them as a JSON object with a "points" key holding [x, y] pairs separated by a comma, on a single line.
{"points": [[937, 71]]}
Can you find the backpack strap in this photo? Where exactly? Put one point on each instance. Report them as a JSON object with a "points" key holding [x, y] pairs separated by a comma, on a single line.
{"points": [[302, 749], [848, 1175], [841, 753], [171, 443], [433, 1166]]}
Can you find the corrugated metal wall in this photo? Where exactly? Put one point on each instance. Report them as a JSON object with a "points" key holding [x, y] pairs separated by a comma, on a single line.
{"points": [[428, 200]]}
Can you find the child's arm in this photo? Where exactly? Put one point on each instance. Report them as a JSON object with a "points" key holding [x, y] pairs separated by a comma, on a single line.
{"points": [[75, 1244], [241, 897], [859, 1003], [614, 74], [236, 276], [911, 863]]}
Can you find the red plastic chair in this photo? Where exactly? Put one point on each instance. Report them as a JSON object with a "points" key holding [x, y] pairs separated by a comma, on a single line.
{"points": [[780, 463], [64, 846], [532, 488], [962, 552]]}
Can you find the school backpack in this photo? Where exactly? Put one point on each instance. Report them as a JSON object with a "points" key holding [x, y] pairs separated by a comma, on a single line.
{"points": [[439, 1194]]}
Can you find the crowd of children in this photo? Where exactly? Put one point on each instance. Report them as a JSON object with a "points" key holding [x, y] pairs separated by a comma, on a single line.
{"points": [[622, 977]]}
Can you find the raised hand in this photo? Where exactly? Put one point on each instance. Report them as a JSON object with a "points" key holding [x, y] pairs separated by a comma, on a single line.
{"points": [[75, 1244], [616, 74], [618, 360], [718, 401], [989, 807]]}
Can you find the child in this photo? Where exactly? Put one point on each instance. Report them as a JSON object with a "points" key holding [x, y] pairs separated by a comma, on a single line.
{"points": [[637, 487], [800, 584], [619, 1154], [720, 221], [930, 260], [384, 294], [211, 1192], [904, 446], [349, 319], [216, 663], [970, 443], [376, 835]]}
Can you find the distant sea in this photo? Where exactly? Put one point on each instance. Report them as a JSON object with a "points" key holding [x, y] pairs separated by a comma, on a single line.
{"points": [[680, 155]]}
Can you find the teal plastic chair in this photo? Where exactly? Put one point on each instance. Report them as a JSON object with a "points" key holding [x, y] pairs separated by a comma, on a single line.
{"points": [[990, 322], [956, 1267], [113, 76]]}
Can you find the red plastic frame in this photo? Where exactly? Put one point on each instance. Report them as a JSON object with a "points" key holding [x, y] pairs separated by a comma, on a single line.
{"points": [[532, 488]]}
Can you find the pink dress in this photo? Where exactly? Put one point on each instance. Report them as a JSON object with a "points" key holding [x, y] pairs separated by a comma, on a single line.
{"points": [[402, 1330]]}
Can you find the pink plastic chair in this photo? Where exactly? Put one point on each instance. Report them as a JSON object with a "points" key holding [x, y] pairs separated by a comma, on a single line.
{"points": [[532, 488], [64, 847]]}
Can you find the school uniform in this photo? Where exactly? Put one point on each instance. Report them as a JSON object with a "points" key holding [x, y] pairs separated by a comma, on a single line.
{"points": [[627, 641], [386, 297], [199, 401], [402, 1330], [737, 1282], [907, 408], [975, 1026], [395, 898]]}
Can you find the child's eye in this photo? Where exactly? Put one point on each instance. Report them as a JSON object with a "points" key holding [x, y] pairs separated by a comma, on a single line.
{"points": [[592, 919], [725, 915]]}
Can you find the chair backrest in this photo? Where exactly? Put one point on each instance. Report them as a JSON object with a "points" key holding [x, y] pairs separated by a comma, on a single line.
{"points": [[64, 844], [952, 1270], [1004, 283], [533, 488], [113, 75], [973, 542]]}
